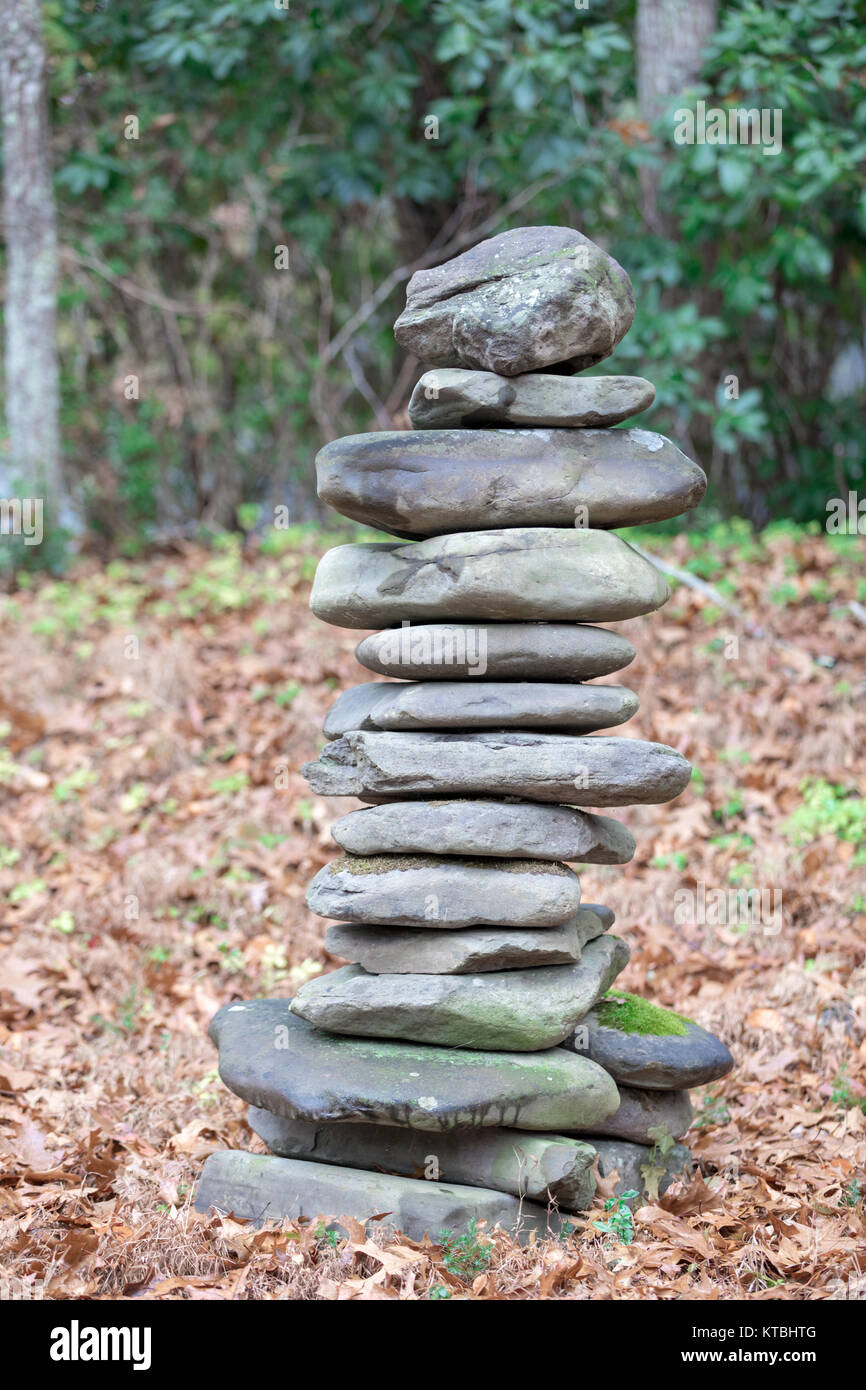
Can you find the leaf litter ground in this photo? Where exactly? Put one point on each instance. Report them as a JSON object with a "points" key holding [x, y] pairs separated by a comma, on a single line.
{"points": [[156, 838]]}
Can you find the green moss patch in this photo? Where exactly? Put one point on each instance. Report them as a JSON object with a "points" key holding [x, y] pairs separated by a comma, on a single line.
{"points": [[628, 1013]]}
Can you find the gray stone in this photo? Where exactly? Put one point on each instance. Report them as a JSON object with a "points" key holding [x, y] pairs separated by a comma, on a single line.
{"points": [[260, 1188], [653, 1061], [434, 892], [635, 1162], [455, 398], [524, 573], [503, 651], [640, 1111], [435, 482], [500, 829], [351, 709], [418, 951], [273, 1059], [503, 704], [529, 298], [503, 1011], [590, 921], [595, 771], [539, 1168], [479, 705]]}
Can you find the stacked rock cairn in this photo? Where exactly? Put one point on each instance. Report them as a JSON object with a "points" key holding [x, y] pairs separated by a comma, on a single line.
{"points": [[472, 1061]]}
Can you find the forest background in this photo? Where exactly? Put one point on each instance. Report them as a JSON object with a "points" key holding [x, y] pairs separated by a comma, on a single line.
{"points": [[241, 190]]}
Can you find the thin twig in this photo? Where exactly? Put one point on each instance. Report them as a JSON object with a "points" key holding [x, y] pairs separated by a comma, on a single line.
{"points": [[691, 581], [699, 585], [133, 291], [350, 357]]}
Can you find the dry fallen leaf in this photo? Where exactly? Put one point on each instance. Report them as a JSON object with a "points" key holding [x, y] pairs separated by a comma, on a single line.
{"points": [[159, 872], [766, 1018]]}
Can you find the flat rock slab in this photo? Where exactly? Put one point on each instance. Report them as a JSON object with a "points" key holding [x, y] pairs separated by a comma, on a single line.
{"points": [[479, 705], [669, 1061], [499, 829], [523, 574], [502, 651], [529, 298], [641, 1111], [456, 398], [638, 1164], [351, 709], [590, 921], [595, 771], [536, 1167], [261, 1188], [467, 951], [436, 482], [275, 1060], [507, 1011], [432, 892]]}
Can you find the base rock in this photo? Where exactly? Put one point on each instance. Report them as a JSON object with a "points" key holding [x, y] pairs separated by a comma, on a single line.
{"points": [[635, 1163], [537, 1167], [273, 1059], [260, 1188]]}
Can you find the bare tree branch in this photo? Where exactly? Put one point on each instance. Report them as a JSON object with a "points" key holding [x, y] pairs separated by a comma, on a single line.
{"points": [[133, 291], [350, 357]]}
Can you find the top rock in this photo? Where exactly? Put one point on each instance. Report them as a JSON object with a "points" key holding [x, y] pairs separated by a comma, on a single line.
{"points": [[526, 300]]}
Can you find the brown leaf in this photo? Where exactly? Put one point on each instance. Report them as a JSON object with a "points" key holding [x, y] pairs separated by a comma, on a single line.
{"points": [[697, 1197], [766, 1018]]}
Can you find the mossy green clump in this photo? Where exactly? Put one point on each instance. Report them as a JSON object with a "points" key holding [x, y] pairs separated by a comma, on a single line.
{"points": [[628, 1013]]}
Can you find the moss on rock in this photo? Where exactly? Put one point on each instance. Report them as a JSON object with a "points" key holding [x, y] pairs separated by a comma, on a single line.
{"points": [[628, 1013]]}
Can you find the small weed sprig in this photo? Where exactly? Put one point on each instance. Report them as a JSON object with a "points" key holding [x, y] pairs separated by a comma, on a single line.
{"points": [[465, 1256], [620, 1222]]}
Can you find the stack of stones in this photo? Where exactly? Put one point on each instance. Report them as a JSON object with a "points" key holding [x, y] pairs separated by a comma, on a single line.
{"points": [[472, 1060]]}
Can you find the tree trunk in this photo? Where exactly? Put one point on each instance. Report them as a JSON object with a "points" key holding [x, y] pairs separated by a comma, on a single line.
{"points": [[669, 38], [32, 388]]}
